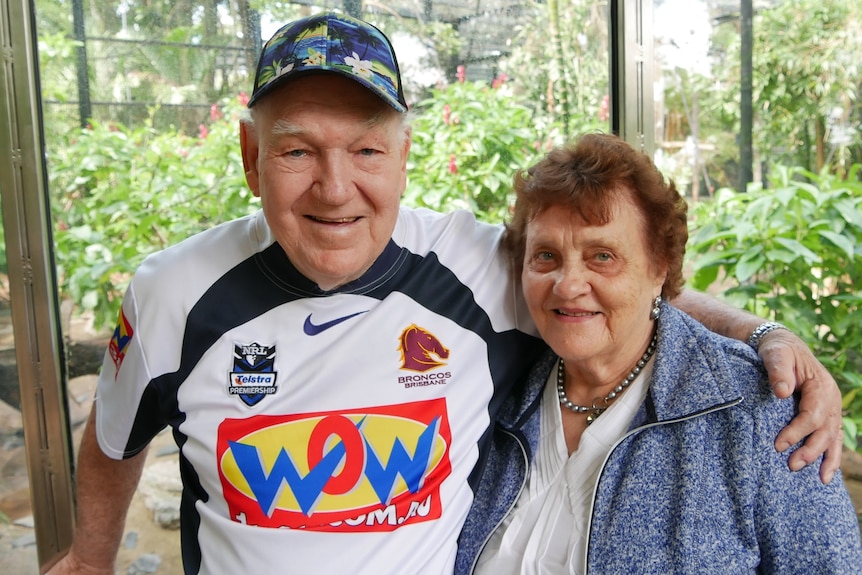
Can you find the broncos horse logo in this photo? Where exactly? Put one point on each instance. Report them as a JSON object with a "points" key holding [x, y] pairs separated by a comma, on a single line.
{"points": [[417, 347]]}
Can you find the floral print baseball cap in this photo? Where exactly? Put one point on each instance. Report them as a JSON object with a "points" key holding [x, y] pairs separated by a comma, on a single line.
{"points": [[330, 42]]}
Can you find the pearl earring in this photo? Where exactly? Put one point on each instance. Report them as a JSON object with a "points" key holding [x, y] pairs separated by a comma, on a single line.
{"points": [[656, 307]]}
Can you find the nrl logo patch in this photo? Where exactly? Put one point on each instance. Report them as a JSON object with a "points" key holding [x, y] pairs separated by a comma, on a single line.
{"points": [[253, 375]]}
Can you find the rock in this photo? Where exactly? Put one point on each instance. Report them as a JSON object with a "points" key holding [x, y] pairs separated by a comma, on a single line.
{"points": [[851, 465], [28, 540], [15, 498], [10, 419], [81, 392], [85, 357], [10, 392], [148, 563], [25, 522], [161, 488], [168, 450]]}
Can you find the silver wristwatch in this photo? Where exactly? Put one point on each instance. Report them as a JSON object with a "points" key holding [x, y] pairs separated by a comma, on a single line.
{"points": [[762, 330]]}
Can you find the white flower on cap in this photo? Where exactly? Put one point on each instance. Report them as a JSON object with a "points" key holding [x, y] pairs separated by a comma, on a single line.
{"points": [[361, 67]]}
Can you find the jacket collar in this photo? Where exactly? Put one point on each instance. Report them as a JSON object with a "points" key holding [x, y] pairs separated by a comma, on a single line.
{"points": [[689, 376], [687, 379]]}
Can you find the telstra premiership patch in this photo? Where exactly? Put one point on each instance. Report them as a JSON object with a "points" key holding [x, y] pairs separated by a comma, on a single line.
{"points": [[253, 375], [369, 469]]}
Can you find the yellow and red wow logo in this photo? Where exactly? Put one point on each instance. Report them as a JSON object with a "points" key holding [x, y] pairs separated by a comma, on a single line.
{"points": [[369, 469]]}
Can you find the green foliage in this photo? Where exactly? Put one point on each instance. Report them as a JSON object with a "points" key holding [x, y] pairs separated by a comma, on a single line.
{"points": [[468, 141], [57, 53], [179, 55], [805, 95], [806, 91], [559, 67], [793, 253], [696, 109], [119, 194]]}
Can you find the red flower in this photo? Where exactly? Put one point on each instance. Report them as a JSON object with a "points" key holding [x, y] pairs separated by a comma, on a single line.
{"points": [[446, 113], [461, 74], [453, 167], [203, 132], [605, 108], [215, 113], [243, 98], [499, 81]]}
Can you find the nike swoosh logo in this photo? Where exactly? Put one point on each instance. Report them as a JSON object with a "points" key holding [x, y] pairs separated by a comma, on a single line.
{"points": [[314, 329]]}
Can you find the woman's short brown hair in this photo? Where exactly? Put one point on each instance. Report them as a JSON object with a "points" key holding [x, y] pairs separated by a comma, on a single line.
{"points": [[586, 176]]}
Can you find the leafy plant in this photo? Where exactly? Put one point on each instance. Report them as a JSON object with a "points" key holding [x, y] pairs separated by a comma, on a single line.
{"points": [[793, 253], [806, 107], [468, 140], [559, 64], [119, 194]]}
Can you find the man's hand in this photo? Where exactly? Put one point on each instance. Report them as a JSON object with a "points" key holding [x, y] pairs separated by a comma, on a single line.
{"points": [[70, 565], [792, 367]]}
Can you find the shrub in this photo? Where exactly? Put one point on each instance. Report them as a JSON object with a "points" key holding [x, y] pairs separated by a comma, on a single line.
{"points": [[793, 253], [119, 194], [468, 140]]}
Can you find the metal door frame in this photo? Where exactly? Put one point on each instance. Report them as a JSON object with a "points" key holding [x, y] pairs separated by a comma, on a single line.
{"points": [[632, 64], [32, 283]]}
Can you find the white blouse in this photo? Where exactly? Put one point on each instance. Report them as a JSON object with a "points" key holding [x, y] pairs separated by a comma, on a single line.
{"points": [[545, 533]]}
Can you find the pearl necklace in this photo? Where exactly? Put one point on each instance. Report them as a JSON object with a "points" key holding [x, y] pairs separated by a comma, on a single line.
{"points": [[596, 410]]}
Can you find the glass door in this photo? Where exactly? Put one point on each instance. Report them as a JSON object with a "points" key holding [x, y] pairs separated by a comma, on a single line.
{"points": [[140, 103], [35, 462]]}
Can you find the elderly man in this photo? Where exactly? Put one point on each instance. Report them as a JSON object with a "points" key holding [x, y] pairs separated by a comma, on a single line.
{"points": [[330, 366]]}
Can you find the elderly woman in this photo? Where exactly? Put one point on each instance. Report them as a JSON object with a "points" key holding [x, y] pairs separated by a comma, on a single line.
{"points": [[643, 443]]}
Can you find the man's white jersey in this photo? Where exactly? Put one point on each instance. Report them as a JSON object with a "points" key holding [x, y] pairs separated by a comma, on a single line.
{"points": [[319, 432]]}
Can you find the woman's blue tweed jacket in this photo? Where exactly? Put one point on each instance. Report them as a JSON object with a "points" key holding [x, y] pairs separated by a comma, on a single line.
{"points": [[696, 487]]}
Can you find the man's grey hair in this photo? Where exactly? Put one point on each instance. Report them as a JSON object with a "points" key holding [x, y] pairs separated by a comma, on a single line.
{"points": [[247, 117]]}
